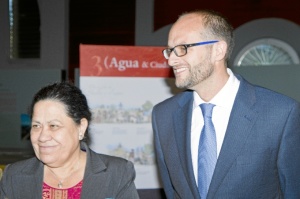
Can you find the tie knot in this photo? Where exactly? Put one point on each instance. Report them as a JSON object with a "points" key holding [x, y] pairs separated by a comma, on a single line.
{"points": [[207, 109]]}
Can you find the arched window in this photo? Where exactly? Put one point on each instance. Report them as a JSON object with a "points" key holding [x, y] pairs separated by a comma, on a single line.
{"points": [[267, 51], [268, 41]]}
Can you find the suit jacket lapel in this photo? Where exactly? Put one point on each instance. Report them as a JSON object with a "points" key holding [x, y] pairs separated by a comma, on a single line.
{"points": [[182, 120], [242, 118], [92, 177], [31, 175]]}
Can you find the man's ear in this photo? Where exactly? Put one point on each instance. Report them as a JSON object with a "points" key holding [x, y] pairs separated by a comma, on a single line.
{"points": [[220, 49]]}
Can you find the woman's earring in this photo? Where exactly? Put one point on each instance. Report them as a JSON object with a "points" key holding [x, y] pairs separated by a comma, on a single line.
{"points": [[80, 136]]}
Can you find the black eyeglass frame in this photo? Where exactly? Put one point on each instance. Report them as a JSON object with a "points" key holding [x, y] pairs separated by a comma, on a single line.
{"points": [[167, 52]]}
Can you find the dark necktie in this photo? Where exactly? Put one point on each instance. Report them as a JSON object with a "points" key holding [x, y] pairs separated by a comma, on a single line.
{"points": [[207, 151]]}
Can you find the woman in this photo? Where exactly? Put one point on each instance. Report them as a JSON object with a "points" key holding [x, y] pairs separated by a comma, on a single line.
{"points": [[64, 166]]}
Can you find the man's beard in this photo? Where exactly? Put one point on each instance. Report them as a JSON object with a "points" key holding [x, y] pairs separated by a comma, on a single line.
{"points": [[197, 74]]}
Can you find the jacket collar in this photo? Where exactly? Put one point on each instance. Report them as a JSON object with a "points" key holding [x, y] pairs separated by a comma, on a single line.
{"points": [[182, 119], [242, 119]]}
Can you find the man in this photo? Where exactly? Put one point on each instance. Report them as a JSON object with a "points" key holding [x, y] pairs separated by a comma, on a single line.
{"points": [[256, 132]]}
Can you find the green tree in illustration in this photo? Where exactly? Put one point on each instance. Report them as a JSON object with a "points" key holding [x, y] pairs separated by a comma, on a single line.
{"points": [[147, 106]]}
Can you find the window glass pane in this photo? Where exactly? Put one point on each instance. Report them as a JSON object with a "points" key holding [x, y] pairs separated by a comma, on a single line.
{"points": [[24, 21], [261, 55], [267, 51]]}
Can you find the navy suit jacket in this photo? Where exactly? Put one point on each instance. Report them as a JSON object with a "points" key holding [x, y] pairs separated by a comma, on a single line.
{"points": [[105, 177], [260, 155]]}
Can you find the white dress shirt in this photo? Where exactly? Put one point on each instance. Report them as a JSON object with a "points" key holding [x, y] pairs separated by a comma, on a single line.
{"points": [[223, 102]]}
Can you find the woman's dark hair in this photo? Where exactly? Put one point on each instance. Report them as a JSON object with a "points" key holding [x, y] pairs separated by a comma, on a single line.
{"points": [[69, 95]]}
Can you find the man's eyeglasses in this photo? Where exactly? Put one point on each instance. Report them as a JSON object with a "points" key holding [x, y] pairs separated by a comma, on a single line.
{"points": [[181, 50]]}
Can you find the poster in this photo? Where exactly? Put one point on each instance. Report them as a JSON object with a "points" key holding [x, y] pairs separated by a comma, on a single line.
{"points": [[122, 84]]}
